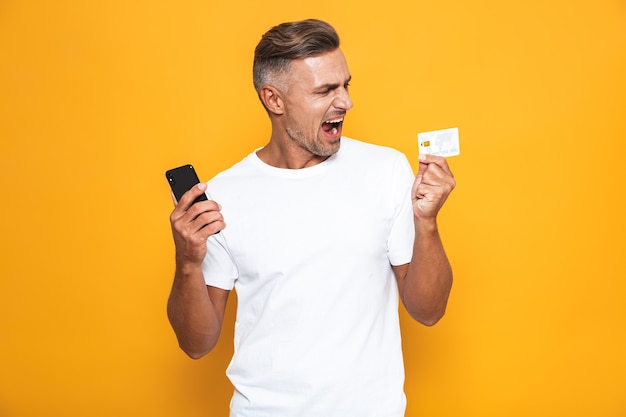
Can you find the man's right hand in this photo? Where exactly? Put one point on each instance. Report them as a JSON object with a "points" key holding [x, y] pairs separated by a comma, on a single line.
{"points": [[192, 224]]}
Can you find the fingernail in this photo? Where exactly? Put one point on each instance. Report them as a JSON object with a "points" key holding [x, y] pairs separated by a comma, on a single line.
{"points": [[422, 157]]}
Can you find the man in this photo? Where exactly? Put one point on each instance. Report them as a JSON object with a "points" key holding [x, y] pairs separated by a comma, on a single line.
{"points": [[324, 232]]}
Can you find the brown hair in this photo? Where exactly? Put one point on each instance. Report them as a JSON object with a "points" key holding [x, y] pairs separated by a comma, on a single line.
{"points": [[288, 41]]}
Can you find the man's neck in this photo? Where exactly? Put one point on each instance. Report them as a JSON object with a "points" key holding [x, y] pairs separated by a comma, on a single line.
{"points": [[288, 157]]}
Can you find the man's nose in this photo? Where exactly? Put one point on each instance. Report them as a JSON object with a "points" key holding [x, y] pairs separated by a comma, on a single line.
{"points": [[343, 100]]}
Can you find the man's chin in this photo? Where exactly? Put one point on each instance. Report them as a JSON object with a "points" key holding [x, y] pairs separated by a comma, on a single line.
{"points": [[330, 148]]}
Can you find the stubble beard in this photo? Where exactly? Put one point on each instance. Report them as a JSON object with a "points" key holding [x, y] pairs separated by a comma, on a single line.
{"points": [[312, 145]]}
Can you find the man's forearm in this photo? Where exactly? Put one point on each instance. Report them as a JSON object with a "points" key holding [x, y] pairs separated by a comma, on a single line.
{"points": [[194, 316], [426, 286]]}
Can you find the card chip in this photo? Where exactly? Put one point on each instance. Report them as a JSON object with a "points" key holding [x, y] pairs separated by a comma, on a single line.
{"points": [[444, 142]]}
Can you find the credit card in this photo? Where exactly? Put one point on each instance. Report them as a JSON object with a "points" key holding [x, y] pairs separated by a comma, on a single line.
{"points": [[443, 142]]}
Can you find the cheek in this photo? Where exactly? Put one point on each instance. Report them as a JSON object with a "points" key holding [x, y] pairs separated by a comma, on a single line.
{"points": [[308, 113], [308, 117]]}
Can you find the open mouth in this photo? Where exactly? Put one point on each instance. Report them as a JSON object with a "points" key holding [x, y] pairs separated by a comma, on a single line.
{"points": [[333, 126]]}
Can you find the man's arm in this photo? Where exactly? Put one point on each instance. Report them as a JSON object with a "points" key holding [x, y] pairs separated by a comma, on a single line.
{"points": [[425, 282], [195, 310]]}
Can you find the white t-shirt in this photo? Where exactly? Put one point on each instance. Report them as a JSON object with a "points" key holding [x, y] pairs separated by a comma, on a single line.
{"points": [[309, 253]]}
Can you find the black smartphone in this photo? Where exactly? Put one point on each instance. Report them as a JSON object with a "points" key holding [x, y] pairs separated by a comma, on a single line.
{"points": [[181, 180]]}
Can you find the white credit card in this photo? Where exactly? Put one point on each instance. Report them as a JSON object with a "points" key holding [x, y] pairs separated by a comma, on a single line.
{"points": [[443, 142]]}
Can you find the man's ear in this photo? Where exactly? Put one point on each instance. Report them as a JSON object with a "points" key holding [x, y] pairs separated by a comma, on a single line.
{"points": [[272, 99]]}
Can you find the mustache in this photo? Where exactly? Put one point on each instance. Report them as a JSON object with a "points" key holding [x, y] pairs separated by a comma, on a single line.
{"points": [[334, 114]]}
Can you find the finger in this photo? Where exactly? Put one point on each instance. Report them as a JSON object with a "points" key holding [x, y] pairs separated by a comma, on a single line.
{"points": [[416, 184], [183, 218], [439, 161], [419, 177], [436, 194], [436, 175], [208, 224], [189, 197], [200, 207], [205, 210], [195, 227], [423, 163]]}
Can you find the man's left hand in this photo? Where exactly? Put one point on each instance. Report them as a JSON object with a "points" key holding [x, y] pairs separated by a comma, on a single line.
{"points": [[433, 184]]}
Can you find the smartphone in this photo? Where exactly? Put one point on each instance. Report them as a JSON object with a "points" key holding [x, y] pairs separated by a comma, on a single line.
{"points": [[182, 179]]}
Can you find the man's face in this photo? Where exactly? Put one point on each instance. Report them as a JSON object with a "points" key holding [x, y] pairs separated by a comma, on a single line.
{"points": [[316, 102]]}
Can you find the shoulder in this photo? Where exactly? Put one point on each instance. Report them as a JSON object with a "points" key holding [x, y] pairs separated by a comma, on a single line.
{"points": [[244, 167], [360, 149]]}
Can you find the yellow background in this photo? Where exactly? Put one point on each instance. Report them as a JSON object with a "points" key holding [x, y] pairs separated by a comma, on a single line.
{"points": [[99, 98]]}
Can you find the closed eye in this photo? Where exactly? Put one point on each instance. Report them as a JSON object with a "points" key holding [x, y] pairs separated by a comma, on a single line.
{"points": [[327, 88]]}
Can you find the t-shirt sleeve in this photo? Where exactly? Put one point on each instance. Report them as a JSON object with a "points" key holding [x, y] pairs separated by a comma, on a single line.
{"points": [[402, 235], [218, 267]]}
